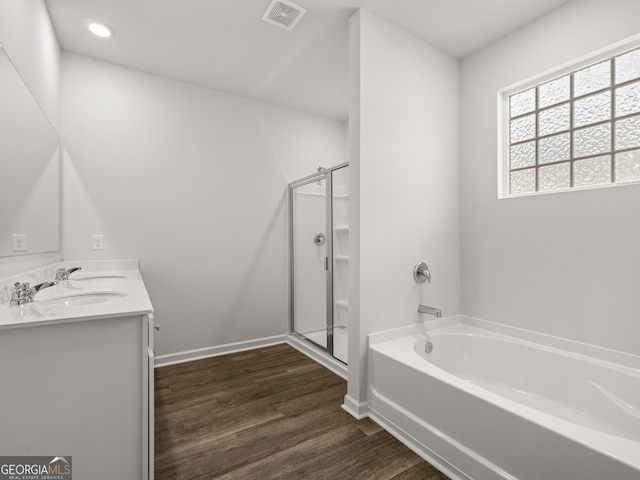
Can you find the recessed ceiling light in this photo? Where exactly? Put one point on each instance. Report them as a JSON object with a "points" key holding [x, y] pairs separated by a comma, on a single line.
{"points": [[99, 28]]}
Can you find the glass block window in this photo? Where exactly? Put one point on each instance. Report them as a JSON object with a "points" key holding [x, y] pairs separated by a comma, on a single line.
{"points": [[579, 128]]}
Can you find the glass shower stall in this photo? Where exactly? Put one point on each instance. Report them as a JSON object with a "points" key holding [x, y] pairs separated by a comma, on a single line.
{"points": [[319, 259]]}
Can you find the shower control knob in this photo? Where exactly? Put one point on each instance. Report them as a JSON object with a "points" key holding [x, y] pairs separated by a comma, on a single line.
{"points": [[156, 327], [421, 273], [319, 239]]}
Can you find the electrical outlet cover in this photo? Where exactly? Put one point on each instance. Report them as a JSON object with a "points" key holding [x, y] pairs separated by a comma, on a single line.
{"points": [[98, 242], [19, 242]]}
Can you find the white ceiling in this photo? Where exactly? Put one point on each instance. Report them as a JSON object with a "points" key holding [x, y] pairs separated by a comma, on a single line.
{"points": [[224, 44]]}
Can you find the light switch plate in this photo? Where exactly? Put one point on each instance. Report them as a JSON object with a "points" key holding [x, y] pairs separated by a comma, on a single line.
{"points": [[98, 242], [19, 242]]}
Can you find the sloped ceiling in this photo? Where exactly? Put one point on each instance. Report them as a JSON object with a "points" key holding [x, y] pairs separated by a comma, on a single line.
{"points": [[224, 44]]}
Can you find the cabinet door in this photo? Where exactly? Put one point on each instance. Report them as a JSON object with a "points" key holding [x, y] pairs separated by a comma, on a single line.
{"points": [[75, 388], [151, 328]]}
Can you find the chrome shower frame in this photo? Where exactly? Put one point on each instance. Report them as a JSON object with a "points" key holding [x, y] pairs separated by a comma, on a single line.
{"points": [[324, 174]]}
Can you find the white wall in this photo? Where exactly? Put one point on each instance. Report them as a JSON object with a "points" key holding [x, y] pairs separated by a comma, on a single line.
{"points": [[192, 182], [565, 264], [27, 36], [404, 187]]}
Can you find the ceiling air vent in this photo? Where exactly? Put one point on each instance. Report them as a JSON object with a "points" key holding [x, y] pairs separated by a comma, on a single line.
{"points": [[283, 14]]}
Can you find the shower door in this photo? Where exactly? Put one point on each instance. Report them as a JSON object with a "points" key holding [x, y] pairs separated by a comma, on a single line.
{"points": [[310, 261], [319, 228]]}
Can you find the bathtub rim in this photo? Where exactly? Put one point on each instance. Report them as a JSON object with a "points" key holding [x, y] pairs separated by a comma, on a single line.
{"points": [[403, 339], [579, 348]]}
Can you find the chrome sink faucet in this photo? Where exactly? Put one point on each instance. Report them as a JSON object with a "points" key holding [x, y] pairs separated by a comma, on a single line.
{"points": [[24, 292], [430, 310], [63, 274]]}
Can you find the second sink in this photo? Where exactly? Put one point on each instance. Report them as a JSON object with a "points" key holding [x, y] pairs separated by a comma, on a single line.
{"points": [[81, 298]]}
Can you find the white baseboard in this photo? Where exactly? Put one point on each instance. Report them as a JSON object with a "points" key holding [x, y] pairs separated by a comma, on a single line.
{"points": [[454, 459], [357, 409], [318, 356], [200, 353], [417, 447]]}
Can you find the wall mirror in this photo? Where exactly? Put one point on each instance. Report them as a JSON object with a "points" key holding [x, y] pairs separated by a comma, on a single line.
{"points": [[29, 168]]}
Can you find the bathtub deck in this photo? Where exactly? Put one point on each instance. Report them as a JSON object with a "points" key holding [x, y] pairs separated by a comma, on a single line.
{"points": [[266, 414]]}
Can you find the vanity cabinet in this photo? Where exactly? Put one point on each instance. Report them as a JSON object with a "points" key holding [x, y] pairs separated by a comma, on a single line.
{"points": [[82, 389]]}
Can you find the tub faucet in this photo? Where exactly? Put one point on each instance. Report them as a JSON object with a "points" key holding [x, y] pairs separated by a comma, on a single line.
{"points": [[63, 273], [24, 292], [430, 310]]}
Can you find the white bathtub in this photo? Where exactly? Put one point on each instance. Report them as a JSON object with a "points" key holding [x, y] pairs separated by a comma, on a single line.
{"points": [[493, 402]]}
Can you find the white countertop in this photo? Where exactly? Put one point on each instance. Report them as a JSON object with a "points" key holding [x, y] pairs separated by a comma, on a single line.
{"points": [[118, 292]]}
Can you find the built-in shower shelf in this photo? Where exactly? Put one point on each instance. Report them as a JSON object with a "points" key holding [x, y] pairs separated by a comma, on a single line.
{"points": [[342, 258], [311, 194], [342, 229], [342, 304]]}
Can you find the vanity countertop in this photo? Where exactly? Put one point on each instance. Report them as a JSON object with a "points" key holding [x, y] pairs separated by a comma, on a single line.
{"points": [[100, 290]]}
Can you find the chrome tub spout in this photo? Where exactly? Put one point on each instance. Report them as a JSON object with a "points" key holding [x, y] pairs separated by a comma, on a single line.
{"points": [[430, 311]]}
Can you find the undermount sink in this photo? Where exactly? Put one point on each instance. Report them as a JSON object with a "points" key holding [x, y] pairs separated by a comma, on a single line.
{"points": [[81, 298], [97, 276]]}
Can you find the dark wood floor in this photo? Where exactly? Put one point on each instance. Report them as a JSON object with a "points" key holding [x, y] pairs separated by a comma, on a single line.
{"points": [[270, 413]]}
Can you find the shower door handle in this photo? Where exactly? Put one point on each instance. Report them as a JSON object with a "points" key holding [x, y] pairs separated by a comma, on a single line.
{"points": [[326, 263]]}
